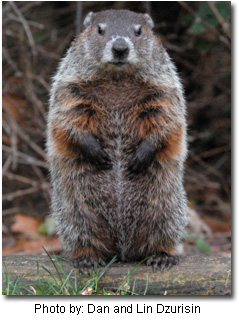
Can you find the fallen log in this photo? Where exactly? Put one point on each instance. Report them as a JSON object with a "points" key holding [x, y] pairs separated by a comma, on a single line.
{"points": [[195, 275]]}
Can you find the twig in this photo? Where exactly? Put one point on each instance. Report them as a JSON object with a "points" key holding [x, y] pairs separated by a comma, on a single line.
{"points": [[46, 193], [48, 54], [30, 142], [183, 60], [33, 97], [220, 19], [65, 42], [13, 138], [11, 62], [173, 47], [223, 159], [26, 159], [26, 138], [31, 23], [11, 210], [211, 170], [205, 24], [38, 172], [42, 81], [25, 26], [208, 168], [43, 185], [7, 164], [21, 179], [215, 151], [200, 179], [5, 8], [10, 196], [148, 7], [10, 33], [30, 5], [78, 17], [39, 131]]}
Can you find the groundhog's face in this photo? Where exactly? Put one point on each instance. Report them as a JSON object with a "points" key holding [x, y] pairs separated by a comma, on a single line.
{"points": [[119, 38]]}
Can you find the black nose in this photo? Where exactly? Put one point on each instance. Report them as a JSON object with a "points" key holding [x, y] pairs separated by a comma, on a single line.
{"points": [[120, 49]]}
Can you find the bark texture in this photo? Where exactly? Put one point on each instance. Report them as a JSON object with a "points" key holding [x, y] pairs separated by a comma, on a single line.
{"points": [[195, 275]]}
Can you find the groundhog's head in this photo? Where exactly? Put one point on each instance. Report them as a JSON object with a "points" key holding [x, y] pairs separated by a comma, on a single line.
{"points": [[119, 38]]}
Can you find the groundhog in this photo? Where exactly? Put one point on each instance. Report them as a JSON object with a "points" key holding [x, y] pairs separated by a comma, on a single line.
{"points": [[117, 144]]}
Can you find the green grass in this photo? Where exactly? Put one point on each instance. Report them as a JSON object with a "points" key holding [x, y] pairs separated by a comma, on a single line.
{"points": [[63, 283]]}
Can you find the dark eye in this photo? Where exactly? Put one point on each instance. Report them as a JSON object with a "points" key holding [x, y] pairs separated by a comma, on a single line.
{"points": [[101, 29], [137, 30]]}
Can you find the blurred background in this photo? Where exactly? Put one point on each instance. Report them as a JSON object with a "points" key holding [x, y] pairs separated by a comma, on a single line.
{"points": [[36, 34]]}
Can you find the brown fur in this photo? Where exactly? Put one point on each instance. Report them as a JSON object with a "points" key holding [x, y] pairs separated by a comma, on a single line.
{"points": [[116, 145], [62, 145], [173, 145]]}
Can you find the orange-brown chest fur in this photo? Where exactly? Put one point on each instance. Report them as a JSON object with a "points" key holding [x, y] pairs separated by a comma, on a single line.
{"points": [[118, 108], [119, 112], [123, 107]]}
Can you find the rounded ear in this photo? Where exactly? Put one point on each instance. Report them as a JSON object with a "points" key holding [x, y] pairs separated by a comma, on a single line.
{"points": [[149, 21], [88, 19]]}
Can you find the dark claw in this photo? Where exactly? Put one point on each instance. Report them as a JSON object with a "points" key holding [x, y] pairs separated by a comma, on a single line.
{"points": [[155, 267], [163, 264], [149, 261], [101, 262], [162, 261], [102, 159], [81, 270], [89, 270]]}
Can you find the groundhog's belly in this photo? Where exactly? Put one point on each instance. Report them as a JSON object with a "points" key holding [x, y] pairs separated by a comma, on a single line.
{"points": [[119, 144], [120, 151], [112, 193]]}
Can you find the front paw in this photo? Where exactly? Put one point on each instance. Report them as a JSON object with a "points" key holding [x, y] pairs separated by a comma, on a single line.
{"points": [[85, 264], [93, 152], [142, 158]]}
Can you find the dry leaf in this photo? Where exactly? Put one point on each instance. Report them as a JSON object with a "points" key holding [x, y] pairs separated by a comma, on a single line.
{"points": [[26, 225]]}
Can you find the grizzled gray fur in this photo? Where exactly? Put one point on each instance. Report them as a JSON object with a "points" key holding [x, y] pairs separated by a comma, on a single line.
{"points": [[117, 144]]}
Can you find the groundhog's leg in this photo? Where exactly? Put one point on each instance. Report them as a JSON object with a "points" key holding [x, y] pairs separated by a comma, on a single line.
{"points": [[163, 204], [168, 212], [168, 221], [76, 156], [82, 230], [84, 238], [157, 163]]}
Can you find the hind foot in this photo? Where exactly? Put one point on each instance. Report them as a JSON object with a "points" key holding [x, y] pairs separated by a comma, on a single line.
{"points": [[162, 261], [85, 264]]}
